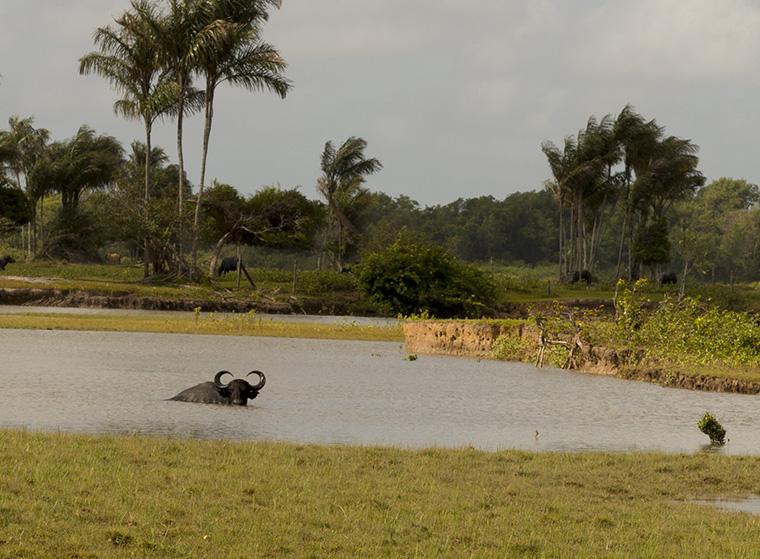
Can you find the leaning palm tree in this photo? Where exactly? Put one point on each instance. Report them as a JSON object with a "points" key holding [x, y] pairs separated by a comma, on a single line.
{"points": [[561, 162], [343, 170], [639, 139], [599, 151], [127, 58], [242, 60]]}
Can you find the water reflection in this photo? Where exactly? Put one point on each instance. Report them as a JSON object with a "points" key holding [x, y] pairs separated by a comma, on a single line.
{"points": [[346, 392], [749, 505]]}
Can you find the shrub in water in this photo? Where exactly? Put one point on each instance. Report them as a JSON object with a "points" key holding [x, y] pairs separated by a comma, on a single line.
{"points": [[711, 427]]}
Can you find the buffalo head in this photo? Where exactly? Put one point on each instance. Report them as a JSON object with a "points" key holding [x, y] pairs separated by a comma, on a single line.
{"points": [[237, 392]]}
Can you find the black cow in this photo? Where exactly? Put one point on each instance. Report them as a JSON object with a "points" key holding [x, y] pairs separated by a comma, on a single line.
{"points": [[229, 264], [6, 260], [669, 278], [237, 392]]}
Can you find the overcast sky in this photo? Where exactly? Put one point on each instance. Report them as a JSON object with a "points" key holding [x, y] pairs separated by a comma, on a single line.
{"points": [[453, 96]]}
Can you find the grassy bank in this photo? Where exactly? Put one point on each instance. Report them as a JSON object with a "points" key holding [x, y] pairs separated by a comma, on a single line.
{"points": [[319, 292], [327, 292], [204, 323], [78, 496]]}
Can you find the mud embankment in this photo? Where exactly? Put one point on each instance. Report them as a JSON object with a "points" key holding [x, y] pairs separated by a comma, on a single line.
{"points": [[48, 297], [482, 340]]}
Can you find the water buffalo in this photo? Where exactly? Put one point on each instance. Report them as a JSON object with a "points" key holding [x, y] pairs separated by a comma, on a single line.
{"points": [[113, 258], [6, 260], [237, 392], [584, 276], [229, 264], [669, 278]]}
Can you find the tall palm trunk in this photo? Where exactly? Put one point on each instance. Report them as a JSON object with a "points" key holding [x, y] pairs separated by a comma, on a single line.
{"points": [[622, 242], [181, 178], [571, 241], [209, 117], [148, 188], [562, 273]]}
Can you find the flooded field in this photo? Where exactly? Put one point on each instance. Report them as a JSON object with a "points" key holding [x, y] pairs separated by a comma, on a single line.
{"points": [[340, 392]]}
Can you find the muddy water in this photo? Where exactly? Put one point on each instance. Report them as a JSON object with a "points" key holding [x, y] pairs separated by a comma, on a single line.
{"points": [[346, 392]]}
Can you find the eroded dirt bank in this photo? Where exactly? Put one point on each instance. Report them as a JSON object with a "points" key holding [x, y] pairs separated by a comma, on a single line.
{"points": [[483, 340]]}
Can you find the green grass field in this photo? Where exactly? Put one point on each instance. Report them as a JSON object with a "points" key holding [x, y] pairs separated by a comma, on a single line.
{"points": [[514, 284], [66, 496]]}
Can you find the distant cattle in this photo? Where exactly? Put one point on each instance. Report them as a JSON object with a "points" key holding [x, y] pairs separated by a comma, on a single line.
{"points": [[113, 258], [6, 260], [669, 278], [229, 264]]}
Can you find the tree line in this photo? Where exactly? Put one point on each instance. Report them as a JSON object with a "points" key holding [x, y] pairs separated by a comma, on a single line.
{"points": [[624, 197], [90, 191], [626, 175]]}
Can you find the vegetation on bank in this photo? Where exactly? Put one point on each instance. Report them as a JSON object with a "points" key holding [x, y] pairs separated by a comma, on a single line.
{"points": [[81, 496], [289, 279], [690, 337]]}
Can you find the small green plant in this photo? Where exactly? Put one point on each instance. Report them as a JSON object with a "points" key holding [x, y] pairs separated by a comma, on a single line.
{"points": [[412, 357], [629, 306], [711, 427]]}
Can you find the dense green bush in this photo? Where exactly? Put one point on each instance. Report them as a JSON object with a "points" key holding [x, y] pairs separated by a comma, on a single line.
{"points": [[412, 277], [702, 333], [15, 208], [689, 330], [75, 235]]}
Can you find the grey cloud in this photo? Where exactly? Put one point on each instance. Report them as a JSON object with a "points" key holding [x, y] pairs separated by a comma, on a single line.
{"points": [[454, 97]]}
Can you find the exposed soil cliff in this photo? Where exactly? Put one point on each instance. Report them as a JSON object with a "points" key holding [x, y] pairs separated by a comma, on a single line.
{"points": [[483, 340]]}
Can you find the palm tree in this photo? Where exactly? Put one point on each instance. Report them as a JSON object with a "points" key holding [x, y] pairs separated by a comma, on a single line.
{"points": [[8, 150], [584, 181], [243, 60], [86, 162], [598, 152], [129, 61], [343, 171], [181, 36], [639, 141], [24, 145], [671, 176], [561, 163]]}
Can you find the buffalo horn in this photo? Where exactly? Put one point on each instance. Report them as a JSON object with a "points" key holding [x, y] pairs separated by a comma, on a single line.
{"points": [[262, 379], [218, 378]]}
